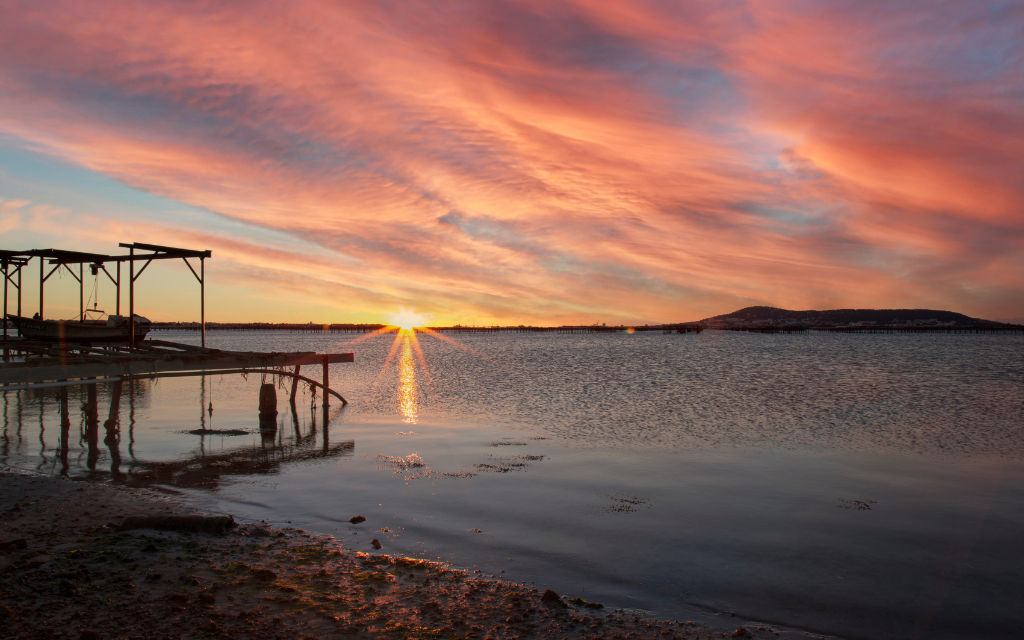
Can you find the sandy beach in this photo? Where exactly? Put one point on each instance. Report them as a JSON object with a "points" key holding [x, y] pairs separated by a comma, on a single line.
{"points": [[69, 570]]}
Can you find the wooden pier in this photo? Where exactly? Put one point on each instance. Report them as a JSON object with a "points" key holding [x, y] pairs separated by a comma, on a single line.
{"points": [[30, 364], [60, 259], [26, 363]]}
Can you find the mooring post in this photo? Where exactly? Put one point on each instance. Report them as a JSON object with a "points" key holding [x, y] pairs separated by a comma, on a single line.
{"points": [[327, 380], [295, 383], [268, 399]]}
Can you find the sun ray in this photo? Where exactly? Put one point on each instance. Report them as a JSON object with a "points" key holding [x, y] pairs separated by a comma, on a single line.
{"points": [[364, 337], [459, 345], [387, 363], [422, 360]]}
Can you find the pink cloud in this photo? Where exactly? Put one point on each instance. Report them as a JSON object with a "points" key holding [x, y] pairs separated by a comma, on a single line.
{"points": [[528, 161]]}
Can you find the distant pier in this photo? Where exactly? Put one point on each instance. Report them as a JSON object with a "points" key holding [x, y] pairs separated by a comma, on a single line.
{"points": [[369, 328], [584, 329]]}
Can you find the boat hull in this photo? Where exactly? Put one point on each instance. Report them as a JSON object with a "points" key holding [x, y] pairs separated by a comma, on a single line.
{"points": [[71, 331]]}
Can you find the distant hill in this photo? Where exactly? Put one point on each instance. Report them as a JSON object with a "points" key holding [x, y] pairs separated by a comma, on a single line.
{"points": [[772, 316]]}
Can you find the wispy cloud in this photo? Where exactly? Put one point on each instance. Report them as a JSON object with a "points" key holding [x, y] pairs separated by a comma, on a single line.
{"points": [[570, 161]]}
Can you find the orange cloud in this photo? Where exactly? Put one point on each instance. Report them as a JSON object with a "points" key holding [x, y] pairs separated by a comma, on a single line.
{"points": [[547, 162]]}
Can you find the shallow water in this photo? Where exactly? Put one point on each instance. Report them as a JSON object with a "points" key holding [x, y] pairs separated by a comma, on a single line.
{"points": [[856, 485]]}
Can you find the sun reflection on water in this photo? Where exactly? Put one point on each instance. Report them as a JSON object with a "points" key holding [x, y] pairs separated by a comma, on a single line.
{"points": [[407, 380]]}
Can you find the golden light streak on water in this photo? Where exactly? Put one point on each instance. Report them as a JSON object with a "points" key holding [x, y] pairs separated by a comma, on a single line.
{"points": [[424, 367], [407, 382]]}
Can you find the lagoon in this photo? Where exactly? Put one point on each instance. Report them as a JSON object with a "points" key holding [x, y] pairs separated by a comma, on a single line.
{"points": [[860, 486]]}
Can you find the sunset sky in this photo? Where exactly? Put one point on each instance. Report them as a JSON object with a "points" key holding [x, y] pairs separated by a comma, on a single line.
{"points": [[522, 162]]}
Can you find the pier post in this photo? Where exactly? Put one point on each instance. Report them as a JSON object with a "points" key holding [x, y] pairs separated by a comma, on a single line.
{"points": [[295, 423], [295, 383], [81, 292], [131, 296], [327, 425], [268, 408], [42, 282], [118, 284], [327, 381], [268, 399], [202, 298], [5, 300]]}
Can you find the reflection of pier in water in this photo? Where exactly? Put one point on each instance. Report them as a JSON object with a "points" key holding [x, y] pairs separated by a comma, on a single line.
{"points": [[198, 469]]}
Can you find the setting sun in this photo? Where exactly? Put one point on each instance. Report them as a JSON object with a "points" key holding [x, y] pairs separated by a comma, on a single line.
{"points": [[407, 319]]}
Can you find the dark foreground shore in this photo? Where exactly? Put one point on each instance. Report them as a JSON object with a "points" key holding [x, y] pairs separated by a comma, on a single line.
{"points": [[68, 570]]}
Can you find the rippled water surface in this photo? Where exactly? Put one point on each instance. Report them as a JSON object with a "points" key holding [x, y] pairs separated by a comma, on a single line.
{"points": [[862, 486]]}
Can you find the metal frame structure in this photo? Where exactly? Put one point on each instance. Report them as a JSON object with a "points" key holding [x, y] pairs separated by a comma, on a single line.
{"points": [[97, 262], [9, 259]]}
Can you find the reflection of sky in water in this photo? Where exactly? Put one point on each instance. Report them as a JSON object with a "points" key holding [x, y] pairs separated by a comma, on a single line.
{"points": [[682, 474]]}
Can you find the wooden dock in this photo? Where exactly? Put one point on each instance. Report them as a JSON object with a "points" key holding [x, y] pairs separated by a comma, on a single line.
{"points": [[29, 364]]}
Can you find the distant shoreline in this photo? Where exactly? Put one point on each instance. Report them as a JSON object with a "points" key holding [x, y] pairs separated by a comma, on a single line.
{"points": [[997, 328]]}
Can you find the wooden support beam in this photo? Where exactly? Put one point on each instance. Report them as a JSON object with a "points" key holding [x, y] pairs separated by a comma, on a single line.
{"points": [[5, 300], [131, 295], [202, 297], [42, 281]]}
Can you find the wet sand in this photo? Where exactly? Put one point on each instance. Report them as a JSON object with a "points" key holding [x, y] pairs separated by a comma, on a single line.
{"points": [[67, 571]]}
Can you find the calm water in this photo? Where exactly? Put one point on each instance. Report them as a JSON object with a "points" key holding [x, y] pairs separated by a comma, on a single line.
{"points": [[862, 486]]}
